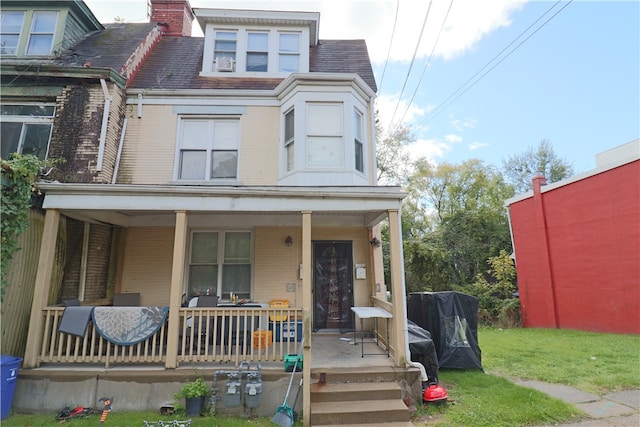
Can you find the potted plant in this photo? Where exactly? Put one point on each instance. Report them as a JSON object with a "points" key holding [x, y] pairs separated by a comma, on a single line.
{"points": [[194, 393]]}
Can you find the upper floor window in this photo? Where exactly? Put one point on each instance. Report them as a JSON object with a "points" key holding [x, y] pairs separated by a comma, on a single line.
{"points": [[28, 32], [289, 52], [357, 138], [26, 129], [208, 149], [256, 50], [289, 132], [10, 27], [325, 144], [225, 50]]}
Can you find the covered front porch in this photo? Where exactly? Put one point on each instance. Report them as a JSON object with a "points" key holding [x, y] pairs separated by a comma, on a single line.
{"points": [[153, 227]]}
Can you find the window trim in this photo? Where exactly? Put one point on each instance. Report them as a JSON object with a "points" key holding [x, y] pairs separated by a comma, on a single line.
{"points": [[32, 32], [220, 261], [30, 120], [209, 149], [26, 31], [19, 33], [358, 118]]}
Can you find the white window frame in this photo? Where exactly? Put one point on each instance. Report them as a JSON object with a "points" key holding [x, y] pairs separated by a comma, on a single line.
{"points": [[289, 140], [219, 287], [223, 53], [325, 142], [33, 33], [257, 50], [18, 34], [358, 140], [283, 52], [273, 51], [209, 145], [27, 121]]}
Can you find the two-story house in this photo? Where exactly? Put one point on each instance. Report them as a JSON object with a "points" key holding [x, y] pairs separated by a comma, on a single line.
{"points": [[243, 167]]}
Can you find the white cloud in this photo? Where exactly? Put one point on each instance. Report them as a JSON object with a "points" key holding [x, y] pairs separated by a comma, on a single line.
{"points": [[476, 145], [388, 104], [430, 149], [461, 125], [452, 138]]}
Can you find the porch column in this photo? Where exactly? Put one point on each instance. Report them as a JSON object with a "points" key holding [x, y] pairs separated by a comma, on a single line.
{"points": [[306, 317], [397, 288], [177, 274], [42, 286]]}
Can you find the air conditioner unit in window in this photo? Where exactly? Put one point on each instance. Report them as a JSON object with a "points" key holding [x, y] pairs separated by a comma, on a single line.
{"points": [[224, 64]]}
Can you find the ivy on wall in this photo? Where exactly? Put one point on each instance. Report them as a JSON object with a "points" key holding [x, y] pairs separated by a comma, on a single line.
{"points": [[19, 177]]}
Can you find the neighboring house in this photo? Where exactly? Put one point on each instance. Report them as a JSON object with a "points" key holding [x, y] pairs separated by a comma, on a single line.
{"points": [[577, 247], [242, 163], [62, 97]]}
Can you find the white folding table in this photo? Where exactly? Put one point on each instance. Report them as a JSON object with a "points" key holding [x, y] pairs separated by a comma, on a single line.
{"points": [[371, 313]]}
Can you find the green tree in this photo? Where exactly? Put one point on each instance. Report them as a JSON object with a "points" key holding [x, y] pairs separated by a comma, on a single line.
{"points": [[519, 169], [393, 161]]}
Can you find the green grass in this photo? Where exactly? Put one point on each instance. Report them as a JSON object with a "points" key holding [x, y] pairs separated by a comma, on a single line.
{"points": [[593, 362]]}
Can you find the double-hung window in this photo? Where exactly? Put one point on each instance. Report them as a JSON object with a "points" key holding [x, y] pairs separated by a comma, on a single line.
{"points": [[258, 51], [225, 50], [289, 52], [10, 27], [26, 129], [289, 132], [220, 263], [325, 144], [208, 149], [357, 138], [43, 27]]}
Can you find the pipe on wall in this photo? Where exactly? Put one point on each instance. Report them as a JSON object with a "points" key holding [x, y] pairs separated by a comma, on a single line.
{"points": [[105, 120]]}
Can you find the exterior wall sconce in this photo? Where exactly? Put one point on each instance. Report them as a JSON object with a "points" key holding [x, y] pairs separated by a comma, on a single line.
{"points": [[288, 241], [374, 242]]}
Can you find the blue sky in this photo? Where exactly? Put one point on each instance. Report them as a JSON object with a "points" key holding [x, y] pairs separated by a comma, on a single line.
{"points": [[574, 82]]}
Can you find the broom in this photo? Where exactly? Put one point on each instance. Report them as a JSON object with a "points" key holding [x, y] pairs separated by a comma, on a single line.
{"points": [[284, 416]]}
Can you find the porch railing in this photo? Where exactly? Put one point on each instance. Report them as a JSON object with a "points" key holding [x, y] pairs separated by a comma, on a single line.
{"points": [[220, 334], [381, 332]]}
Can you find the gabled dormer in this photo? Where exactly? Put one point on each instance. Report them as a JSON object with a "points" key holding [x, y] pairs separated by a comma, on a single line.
{"points": [[250, 43], [40, 29]]}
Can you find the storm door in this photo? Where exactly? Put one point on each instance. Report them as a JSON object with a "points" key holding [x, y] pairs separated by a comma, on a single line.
{"points": [[332, 285]]}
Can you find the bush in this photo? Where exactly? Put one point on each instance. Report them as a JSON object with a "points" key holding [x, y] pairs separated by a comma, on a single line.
{"points": [[196, 388]]}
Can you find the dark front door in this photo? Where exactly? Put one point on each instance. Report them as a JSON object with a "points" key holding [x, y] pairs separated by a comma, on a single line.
{"points": [[332, 285]]}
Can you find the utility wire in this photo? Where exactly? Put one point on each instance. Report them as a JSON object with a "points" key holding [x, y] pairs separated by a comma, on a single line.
{"points": [[455, 95], [424, 70], [393, 32], [404, 85]]}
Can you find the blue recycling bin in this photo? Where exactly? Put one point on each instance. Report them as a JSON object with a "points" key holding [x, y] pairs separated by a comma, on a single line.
{"points": [[9, 366]]}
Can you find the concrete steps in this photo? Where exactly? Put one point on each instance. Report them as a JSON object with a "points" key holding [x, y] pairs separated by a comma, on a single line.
{"points": [[358, 398]]}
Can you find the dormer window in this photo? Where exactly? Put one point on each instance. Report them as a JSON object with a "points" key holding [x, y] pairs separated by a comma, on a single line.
{"points": [[257, 52], [225, 50], [28, 32], [289, 53]]}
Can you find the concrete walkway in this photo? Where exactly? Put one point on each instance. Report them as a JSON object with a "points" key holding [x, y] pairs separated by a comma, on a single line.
{"points": [[615, 409]]}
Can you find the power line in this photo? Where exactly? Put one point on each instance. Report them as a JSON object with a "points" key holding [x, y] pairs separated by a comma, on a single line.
{"points": [[424, 23], [453, 97], [393, 32], [424, 70]]}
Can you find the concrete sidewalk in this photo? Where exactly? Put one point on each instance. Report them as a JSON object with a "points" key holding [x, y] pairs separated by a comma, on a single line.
{"points": [[615, 409]]}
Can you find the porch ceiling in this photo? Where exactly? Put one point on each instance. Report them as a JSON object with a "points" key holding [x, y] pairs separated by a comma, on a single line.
{"points": [[135, 205]]}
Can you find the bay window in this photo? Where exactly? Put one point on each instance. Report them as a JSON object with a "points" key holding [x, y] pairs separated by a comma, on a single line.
{"points": [[325, 143], [357, 137], [289, 139]]}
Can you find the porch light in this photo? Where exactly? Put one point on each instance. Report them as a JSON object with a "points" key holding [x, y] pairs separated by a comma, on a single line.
{"points": [[288, 241], [374, 242]]}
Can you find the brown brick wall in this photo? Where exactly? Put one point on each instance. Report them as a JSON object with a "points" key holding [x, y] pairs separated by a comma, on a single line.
{"points": [[76, 133]]}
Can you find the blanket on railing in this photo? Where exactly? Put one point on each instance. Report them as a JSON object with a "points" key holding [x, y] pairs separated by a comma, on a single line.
{"points": [[128, 325]]}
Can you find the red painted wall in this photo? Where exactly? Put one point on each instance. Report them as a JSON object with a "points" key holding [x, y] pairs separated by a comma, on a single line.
{"points": [[578, 253]]}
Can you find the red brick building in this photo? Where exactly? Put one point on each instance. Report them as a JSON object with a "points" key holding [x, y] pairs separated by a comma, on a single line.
{"points": [[577, 247]]}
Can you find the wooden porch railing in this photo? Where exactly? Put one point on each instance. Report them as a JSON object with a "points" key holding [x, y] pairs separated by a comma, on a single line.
{"points": [[381, 332], [216, 334]]}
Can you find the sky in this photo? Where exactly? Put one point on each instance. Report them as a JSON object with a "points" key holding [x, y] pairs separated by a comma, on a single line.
{"points": [[484, 79]]}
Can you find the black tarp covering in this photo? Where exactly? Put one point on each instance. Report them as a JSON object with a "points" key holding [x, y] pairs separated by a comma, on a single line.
{"points": [[452, 319], [423, 350]]}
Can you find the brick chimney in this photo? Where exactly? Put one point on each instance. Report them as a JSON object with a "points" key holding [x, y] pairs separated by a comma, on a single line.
{"points": [[176, 15]]}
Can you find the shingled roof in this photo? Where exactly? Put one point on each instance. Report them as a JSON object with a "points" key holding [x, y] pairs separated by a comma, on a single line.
{"points": [[176, 62], [108, 48]]}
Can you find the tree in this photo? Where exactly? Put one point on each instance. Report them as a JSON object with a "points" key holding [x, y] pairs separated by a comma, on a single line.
{"points": [[519, 169], [393, 161]]}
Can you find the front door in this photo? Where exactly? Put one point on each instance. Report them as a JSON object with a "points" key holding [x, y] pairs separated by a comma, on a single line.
{"points": [[332, 285]]}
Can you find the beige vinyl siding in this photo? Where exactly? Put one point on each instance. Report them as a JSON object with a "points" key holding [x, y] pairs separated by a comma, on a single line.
{"points": [[260, 146], [147, 264], [276, 264], [149, 148]]}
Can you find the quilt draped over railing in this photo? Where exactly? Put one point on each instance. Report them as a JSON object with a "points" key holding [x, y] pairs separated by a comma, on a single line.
{"points": [[128, 325]]}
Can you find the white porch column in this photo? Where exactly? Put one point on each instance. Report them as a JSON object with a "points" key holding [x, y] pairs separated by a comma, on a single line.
{"points": [[42, 286], [177, 274], [397, 274], [306, 317]]}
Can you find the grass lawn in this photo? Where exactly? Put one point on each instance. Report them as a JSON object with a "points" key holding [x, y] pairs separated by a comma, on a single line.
{"points": [[593, 362]]}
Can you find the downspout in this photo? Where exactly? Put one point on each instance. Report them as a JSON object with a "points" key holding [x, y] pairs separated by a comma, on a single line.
{"points": [[105, 119], [423, 372], [120, 145]]}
